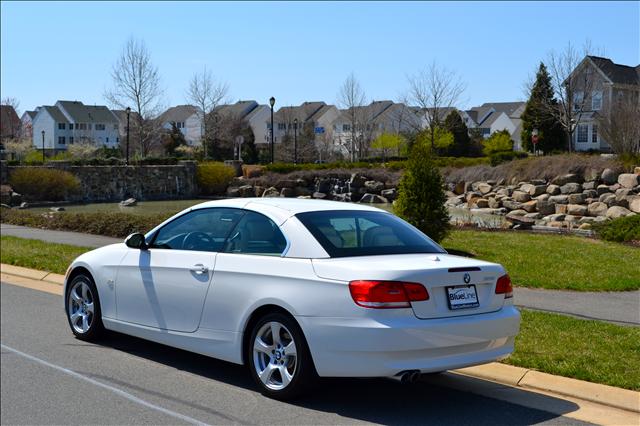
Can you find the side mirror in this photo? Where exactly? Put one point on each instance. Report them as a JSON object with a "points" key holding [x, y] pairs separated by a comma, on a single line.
{"points": [[136, 241]]}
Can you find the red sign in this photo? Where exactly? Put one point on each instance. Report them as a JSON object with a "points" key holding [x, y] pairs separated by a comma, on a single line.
{"points": [[534, 139]]}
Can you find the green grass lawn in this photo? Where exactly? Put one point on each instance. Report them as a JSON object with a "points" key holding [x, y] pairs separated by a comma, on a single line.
{"points": [[553, 261], [38, 254], [595, 351]]}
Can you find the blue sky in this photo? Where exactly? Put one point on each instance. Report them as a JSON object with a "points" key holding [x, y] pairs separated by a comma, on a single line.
{"points": [[300, 51]]}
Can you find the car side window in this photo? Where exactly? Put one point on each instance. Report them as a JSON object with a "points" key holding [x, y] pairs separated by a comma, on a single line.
{"points": [[199, 230], [256, 234]]}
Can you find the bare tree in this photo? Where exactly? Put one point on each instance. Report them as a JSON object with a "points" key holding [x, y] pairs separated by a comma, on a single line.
{"points": [[352, 98], [136, 84], [11, 126], [568, 82], [206, 93], [620, 125], [434, 90]]}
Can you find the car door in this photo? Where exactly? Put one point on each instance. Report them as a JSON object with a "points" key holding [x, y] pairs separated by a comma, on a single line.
{"points": [[165, 286]]}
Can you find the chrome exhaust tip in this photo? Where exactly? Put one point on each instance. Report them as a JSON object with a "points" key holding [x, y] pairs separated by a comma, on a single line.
{"points": [[407, 376]]}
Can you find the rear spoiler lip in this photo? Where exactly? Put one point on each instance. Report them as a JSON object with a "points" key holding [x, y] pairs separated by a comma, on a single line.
{"points": [[465, 269]]}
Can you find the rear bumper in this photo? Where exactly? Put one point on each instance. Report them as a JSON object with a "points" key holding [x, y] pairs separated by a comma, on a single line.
{"points": [[368, 347]]}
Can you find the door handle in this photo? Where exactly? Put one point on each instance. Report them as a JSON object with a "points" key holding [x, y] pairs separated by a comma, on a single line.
{"points": [[199, 269]]}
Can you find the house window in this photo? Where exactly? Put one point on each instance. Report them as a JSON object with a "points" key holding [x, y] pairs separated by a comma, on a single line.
{"points": [[83, 126], [583, 133], [594, 133], [346, 127], [61, 140], [117, 140], [99, 126], [596, 100], [70, 126], [107, 140], [115, 127], [61, 126], [578, 98], [282, 126], [89, 126], [70, 139]]}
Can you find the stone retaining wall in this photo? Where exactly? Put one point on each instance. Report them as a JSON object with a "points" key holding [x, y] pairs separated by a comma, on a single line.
{"points": [[116, 183]]}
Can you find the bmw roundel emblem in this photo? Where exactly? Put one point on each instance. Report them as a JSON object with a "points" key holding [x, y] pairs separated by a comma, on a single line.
{"points": [[467, 278]]}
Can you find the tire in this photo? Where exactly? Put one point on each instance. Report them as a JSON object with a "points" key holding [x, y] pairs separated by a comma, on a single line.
{"points": [[284, 376], [82, 305]]}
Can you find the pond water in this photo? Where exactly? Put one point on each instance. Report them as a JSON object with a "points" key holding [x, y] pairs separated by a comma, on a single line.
{"points": [[458, 215]]}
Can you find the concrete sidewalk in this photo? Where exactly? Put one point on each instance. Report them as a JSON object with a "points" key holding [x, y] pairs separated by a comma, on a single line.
{"points": [[62, 237], [616, 307]]}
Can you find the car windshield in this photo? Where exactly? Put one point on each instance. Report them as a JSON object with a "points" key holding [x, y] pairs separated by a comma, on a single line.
{"points": [[344, 233]]}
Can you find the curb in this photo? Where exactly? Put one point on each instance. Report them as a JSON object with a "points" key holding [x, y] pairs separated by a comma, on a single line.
{"points": [[525, 378], [518, 377], [32, 274]]}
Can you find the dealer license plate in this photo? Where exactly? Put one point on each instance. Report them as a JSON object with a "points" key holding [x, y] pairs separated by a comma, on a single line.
{"points": [[462, 297]]}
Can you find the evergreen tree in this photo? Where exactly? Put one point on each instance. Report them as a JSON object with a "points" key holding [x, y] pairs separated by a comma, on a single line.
{"points": [[537, 116], [421, 194], [173, 140], [461, 146]]}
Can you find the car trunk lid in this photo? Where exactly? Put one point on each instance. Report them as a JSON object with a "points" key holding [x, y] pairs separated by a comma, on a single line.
{"points": [[436, 272]]}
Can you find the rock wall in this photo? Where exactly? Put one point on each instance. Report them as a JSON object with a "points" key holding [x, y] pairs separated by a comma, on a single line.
{"points": [[116, 183], [564, 202]]}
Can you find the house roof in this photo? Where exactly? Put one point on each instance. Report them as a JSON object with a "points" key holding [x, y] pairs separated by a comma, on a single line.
{"points": [[303, 112], [56, 114], [121, 115], [178, 113], [255, 111], [30, 114], [617, 73], [81, 113], [240, 109], [371, 112], [9, 121], [487, 113]]}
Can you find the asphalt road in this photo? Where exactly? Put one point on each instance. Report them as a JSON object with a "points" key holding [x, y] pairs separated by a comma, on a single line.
{"points": [[61, 237], [49, 377]]}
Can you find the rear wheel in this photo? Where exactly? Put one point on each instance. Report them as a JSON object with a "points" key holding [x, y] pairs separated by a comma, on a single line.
{"points": [[83, 308], [278, 357]]}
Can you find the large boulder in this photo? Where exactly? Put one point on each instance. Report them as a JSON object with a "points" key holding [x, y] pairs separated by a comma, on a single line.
{"points": [[494, 203], [129, 202], [357, 180], [629, 180], [505, 192], [518, 218], [479, 203], [511, 205], [453, 201], [459, 188], [571, 188], [609, 199], [576, 210], [286, 183], [576, 198], [609, 177], [324, 185], [561, 208], [568, 178], [616, 212], [482, 187], [530, 206], [288, 192], [546, 207], [634, 204], [590, 193], [246, 191], [553, 190], [390, 194], [559, 199], [373, 186], [533, 190], [521, 196], [597, 209], [602, 189], [590, 185]]}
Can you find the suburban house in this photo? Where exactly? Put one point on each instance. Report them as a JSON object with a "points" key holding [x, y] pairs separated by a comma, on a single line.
{"points": [[121, 114], [69, 122], [187, 118], [371, 121], [596, 84], [26, 128], [253, 114], [9, 123], [497, 116], [315, 117]]}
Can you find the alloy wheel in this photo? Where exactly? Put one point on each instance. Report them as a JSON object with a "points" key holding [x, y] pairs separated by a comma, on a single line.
{"points": [[81, 307], [275, 355]]}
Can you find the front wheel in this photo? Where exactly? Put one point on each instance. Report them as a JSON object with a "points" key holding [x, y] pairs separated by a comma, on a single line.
{"points": [[83, 308], [278, 357]]}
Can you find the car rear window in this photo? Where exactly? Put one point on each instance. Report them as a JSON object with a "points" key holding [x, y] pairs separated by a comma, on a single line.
{"points": [[344, 233]]}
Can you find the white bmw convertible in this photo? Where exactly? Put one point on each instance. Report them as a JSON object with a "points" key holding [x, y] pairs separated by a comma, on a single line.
{"points": [[297, 289]]}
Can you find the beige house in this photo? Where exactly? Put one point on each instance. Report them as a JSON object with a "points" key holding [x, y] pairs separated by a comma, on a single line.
{"points": [[596, 84]]}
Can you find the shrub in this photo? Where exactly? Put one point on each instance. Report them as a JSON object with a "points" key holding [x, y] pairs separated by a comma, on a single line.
{"points": [[117, 225], [43, 184], [213, 178], [499, 141], [33, 157], [421, 195], [624, 229]]}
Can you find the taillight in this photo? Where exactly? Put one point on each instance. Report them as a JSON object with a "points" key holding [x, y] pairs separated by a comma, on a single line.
{"points": [[504, 286], [387, 294]]}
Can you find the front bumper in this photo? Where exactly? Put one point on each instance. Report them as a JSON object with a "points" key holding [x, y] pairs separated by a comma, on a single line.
{"points": [[374, 347]]}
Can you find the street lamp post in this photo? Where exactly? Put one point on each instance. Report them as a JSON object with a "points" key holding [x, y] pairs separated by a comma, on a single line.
{"points": [[272, 102], [43, 147], [128, 114], [295, 141]]}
